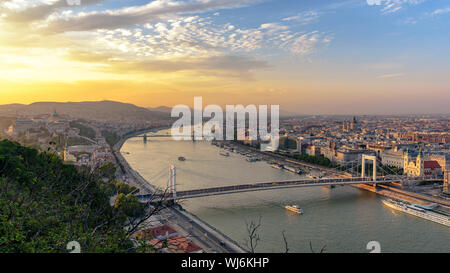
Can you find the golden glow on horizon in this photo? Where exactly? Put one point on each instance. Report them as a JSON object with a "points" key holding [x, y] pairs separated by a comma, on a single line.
{"points": [[149, 66]]}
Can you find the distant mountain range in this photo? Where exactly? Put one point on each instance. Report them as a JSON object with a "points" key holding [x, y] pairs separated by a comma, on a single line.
{"points": [[98, 110], [94, 110]]}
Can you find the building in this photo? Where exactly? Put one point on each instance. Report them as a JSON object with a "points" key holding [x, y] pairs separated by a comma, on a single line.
{"points": [[377, 148], [446, 188], [312, 150], [353, 124], [79, 155], [393, 157], [413, 167], [23, 125], [179, 244], [58, 127], [300, 145], [342, 156], [432, 168], [166, 237], [287, 143], [156, 234], [442, 159], [67, 156]]}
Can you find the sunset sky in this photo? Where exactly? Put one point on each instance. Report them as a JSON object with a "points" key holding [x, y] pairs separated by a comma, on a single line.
{"points": [[309, 56]]}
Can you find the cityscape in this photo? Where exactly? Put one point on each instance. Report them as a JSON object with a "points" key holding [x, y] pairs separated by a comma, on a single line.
{"points": [[91, 92]]}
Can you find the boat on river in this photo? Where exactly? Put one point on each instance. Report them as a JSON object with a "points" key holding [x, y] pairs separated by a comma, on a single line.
{"points": [[294, 208]]}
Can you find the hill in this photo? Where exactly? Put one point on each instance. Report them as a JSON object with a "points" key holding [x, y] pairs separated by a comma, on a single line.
{"points": [[95, 110]]}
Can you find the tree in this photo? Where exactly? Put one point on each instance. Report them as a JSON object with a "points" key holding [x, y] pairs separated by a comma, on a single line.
{"points": [[129, 205], [322, 250], [253, 235], [286, 246], [45, 204], [121, 187], [107, 170]]}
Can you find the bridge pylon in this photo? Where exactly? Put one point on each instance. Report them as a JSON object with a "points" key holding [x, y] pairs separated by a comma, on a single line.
{"points": [[363, 165], [173, 182]]}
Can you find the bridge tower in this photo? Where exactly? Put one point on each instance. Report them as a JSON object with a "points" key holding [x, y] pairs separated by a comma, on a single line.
{"points": [[363, 165], [446, 188], [173, 182]]}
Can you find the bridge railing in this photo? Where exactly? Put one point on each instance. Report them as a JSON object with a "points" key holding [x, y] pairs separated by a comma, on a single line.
{"points": [[275, 184], [270, 185]]}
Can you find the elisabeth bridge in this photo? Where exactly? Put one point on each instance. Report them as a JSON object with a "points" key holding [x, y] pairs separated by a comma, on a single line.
{"points": [[171, 194]]}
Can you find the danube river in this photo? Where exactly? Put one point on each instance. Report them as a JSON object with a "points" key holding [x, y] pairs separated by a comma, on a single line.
{"points": [[343, 219]]}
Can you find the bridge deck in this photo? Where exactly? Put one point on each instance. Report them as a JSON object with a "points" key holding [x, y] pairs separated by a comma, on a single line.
{"points": [[271, 186]]}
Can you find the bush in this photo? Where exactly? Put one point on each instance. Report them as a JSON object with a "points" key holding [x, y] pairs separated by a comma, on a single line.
{"points": [[45, 204]]}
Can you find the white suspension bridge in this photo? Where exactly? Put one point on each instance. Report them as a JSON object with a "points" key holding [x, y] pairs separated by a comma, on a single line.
{"points": [[173, 195]]}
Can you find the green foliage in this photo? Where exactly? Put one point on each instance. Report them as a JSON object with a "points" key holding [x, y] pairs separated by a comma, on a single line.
{"points": [[129, 205], [45, 204], [424, 183], [74, 141], [319, 160], [107, 170], [84, 130], [111, 138], [121, 187]]}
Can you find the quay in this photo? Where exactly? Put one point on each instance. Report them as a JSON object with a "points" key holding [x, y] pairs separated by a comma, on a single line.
{"points": [[204, 235]]}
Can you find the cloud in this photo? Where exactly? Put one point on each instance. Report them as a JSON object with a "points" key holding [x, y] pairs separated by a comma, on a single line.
{"points": [[22, 12], [161, 37], [223, 65], [409, 21], [441, 11], [196, 36], [135, 15], [304, 18], [392, 6], [389, 76]]}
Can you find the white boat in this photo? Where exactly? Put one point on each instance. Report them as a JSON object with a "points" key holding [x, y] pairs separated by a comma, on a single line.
{"points": [[292, 169], [277, 166], [223, 153], [418, 211], [294, 208]]}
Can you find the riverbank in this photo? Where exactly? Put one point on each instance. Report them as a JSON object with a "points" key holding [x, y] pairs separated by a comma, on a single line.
{"points": [[201, 233], [383, 190]]}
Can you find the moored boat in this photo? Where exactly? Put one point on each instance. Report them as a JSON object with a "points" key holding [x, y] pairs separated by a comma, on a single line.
{"points": [[418, 211], [277, 166]]}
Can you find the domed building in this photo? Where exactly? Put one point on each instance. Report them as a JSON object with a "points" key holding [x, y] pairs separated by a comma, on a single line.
{"points": [[413, 167], [54, 117]]}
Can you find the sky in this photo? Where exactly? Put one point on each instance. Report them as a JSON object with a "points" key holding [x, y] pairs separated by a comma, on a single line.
{"points": [[308, 56]]}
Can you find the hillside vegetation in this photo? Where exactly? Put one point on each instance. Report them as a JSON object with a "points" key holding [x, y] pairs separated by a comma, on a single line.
{"points": [[45, 204]]}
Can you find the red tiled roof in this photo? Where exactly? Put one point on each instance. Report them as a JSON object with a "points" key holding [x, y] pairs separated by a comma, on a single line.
{"points": [[155, 232], [183, 245], [431, 165]]}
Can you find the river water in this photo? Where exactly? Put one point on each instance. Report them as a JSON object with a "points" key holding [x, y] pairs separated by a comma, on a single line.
{"points": [[343, 219]]}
